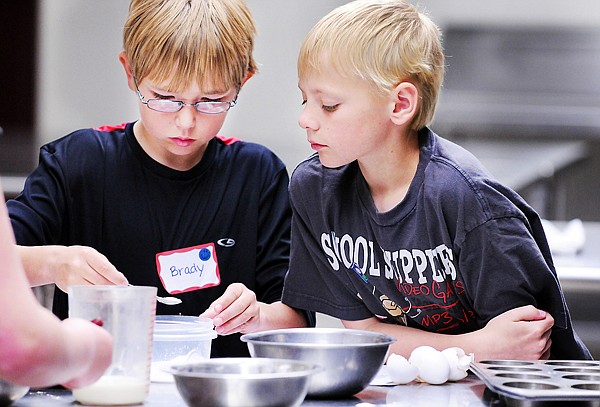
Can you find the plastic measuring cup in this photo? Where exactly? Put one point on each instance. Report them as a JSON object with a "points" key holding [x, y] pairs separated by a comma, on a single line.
{"points": [[128, 314]]}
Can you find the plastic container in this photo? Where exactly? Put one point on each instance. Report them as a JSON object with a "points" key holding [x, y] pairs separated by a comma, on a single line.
{"points": [[179, 339], [128, 313]]}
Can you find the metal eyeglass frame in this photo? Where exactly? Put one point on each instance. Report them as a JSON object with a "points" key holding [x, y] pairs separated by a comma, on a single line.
{"points": [[158, 105]]}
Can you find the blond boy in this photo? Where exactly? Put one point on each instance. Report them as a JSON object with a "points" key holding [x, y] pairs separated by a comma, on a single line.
{"points": [[396, 229], [165, 201]]}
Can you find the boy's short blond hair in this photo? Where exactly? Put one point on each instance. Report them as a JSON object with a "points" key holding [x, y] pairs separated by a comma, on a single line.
{"points": [[207, 41], [384, 42]]}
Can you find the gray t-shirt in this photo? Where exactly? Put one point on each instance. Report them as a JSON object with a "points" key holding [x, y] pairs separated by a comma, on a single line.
{"points": [[459, 250]]}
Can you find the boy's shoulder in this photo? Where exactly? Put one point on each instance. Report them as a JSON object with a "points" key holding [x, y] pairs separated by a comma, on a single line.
{"points": [[245, 153], [249, 147], [452, 166], [87, 140], [310, 170], [457, 179]]}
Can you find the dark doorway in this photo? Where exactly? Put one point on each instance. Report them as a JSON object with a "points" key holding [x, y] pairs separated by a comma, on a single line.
{"points": [[18, 33]]}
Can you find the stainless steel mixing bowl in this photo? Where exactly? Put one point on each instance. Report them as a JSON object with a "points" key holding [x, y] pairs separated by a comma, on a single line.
{"points": [[243, 382], [10, 393], [350, 358]]}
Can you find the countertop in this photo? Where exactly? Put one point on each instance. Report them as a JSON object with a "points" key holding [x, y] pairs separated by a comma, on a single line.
{"points": [[585, 264], [470, 391]]}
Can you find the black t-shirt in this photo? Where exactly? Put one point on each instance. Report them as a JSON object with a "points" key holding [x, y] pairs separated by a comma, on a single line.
{"points": [[459, 250], [98, 188]]}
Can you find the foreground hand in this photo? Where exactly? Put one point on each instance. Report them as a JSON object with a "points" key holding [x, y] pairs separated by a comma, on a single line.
{"points": [[79, 265], [237, 310], [91, 358], [522, 334]]}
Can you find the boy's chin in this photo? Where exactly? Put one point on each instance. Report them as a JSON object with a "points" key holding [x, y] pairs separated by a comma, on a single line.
{"points": [[331, 163]]}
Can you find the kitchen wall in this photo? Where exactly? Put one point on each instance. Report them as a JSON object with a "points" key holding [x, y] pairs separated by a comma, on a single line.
{"points": [[81, 82]]}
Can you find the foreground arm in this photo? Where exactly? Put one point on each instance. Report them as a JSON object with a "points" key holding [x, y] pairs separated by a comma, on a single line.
{"points": [[522, 333], [68, 265], [237, 310], [36, 348]]}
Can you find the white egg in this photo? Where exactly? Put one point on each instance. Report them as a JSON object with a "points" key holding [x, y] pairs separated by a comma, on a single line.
{"points": [[432, 364], [459, 363], [418, 353], [399, 370]]}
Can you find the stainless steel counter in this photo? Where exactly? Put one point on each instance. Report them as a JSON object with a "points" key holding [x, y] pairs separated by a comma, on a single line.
{"points": [[468, 392]]}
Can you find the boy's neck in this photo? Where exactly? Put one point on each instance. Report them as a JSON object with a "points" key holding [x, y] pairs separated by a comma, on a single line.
{"points": [[389, 177]]}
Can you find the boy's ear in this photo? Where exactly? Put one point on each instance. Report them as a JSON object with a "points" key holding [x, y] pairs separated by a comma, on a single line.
{"points": [[406, 102], [124, 59]]}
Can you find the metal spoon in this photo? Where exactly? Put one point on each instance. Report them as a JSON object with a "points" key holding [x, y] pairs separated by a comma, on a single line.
{"points": [[166, 300]]}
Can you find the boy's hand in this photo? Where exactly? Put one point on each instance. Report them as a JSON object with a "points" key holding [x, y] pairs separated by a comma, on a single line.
{"points": [[522, 333], [84, 265], [96, 350], [68, 265], [237, 310]]}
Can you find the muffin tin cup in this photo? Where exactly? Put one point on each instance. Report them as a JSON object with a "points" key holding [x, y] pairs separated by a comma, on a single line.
{"points": [[542, 382]]}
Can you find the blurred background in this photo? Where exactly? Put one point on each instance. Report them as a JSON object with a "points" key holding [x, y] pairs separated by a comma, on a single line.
{"points": [[60, 72], [522, 92]]}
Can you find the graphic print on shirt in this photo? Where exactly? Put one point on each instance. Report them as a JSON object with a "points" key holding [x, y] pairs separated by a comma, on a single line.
{"points": [[188, 269], [421, 284]]}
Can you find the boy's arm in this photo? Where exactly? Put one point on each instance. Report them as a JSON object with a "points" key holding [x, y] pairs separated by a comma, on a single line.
{"points": [[39, 349], [67, 265], [522, 333]]}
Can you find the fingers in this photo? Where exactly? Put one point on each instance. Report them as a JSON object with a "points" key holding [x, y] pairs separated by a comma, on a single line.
{"points": [[546, 337], [548, 322], [235, 311], [520, 333], [94, 355], [527, 313], [546, 352], [230, 295], [84, 265], [104, 270], [539, 333]]}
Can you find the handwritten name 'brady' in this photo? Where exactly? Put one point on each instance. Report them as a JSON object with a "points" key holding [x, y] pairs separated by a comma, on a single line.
{"points": [[193, 269]]}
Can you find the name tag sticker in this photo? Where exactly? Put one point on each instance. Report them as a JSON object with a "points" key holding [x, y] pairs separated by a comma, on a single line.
{"points": [[188, 269]]}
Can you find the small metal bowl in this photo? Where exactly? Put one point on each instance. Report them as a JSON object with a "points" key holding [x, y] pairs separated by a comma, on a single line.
{"points": [[9, 393], [351, 358], [243, 382]]}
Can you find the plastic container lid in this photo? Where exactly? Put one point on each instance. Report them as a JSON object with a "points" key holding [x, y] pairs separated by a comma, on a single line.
{"points": [[182, 327]]}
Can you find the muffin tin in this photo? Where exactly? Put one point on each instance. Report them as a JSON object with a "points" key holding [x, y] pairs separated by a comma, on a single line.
{"points": [[518, 381]]}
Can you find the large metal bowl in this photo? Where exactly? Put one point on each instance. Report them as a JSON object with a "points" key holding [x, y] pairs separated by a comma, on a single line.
{"points": [[9, 393], [350, 357], [243, 382]]}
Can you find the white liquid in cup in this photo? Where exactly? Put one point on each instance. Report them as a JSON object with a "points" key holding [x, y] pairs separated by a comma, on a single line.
{"points": [[128, 314], [113, 390]]}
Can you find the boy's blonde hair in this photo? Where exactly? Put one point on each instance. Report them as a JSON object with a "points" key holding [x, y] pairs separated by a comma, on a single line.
{"points": [[207, 41], [384, 42]]}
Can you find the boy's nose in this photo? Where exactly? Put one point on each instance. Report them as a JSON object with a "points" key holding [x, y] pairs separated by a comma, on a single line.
{"points": [[186, 117], [305, 121]]}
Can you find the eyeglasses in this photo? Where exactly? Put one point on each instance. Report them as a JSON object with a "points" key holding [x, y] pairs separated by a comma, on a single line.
{"points": [[172, 106]]}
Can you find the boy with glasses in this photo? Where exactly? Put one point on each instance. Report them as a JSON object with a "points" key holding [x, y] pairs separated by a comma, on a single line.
{"points": [[165, 201]]}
